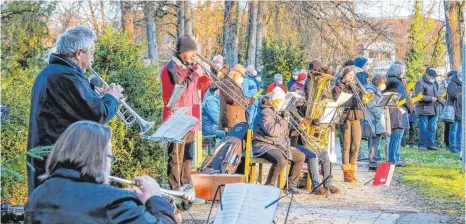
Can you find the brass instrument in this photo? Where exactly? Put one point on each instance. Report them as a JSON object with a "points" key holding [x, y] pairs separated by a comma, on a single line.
{"points": [[361, 104], [128, 116], [366, 96], [185, 196], [319, 134]]}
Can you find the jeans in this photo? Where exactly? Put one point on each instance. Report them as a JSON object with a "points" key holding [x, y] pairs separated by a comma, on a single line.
{"points": [[427, 131], [395, 145], [219, 133], [454, 137], [252, 111], [373, 145], [313, 162]]}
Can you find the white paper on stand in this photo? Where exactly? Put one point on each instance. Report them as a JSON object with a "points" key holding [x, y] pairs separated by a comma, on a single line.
{"points": [[175, 127]]}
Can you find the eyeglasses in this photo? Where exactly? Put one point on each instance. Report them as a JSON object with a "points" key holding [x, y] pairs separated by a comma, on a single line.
{"points": [[112, 159]]}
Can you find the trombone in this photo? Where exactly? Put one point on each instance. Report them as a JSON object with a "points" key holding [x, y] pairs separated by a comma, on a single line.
{"points": [[361, 103], [128, 116]]}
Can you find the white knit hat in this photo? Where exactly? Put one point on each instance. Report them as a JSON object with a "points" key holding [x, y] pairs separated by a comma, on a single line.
{"points": [[277, 94]]}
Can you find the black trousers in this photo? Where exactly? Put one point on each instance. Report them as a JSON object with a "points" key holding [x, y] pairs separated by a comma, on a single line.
{"points": [[408, 136]]}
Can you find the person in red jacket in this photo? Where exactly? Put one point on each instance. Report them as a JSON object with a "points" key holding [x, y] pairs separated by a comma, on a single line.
{"points": [[277, 82], [182, 70]]}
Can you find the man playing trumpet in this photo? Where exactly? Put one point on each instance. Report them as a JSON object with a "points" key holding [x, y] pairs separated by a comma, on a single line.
{"points": [[62, 95]]}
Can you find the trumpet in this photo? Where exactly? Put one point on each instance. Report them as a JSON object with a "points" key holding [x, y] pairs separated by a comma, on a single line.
{"points": [[183, 198], [128, 116]]}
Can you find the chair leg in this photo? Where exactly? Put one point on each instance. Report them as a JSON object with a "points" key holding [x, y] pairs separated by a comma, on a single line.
{"points": [[308, 182], [281, 179], [259, 177], [253, 173]]}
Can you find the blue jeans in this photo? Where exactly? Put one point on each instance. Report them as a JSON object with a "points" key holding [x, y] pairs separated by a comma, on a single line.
{"points": [[427, 131], [373, 145], [219, 133], [454, 137], [395, 145], [252, 111]]}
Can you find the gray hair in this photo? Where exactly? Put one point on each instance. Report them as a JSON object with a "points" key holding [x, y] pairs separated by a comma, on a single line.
{"points": [[83, 145], [250, 69], [278, 76], [395, 70], [72, 40], [218, 58]]}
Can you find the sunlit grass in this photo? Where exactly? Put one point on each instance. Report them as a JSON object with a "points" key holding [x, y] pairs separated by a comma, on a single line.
{"points": [[438, 175]]}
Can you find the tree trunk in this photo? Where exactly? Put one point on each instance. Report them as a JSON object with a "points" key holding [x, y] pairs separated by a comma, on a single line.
{"points": [[258, 35], [180, 29], [102, 14], [95, 23], [188, 19], [252, 33], [230, 47], [151, 31], [452, 34], [127, 19]]}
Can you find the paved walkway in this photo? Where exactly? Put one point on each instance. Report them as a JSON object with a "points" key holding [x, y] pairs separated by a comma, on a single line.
{"points": [[358, 203]]}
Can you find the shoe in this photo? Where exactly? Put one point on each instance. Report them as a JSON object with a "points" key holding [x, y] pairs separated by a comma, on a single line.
{"points": [[334, 190], [354, 167], [198, 201], [433, 148], [422, 148], [319, 191], [293, 190], [348, 173], [400, 164], [373, 165]]}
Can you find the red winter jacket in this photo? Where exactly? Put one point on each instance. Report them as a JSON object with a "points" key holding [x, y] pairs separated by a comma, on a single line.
{"points": [[273, 85], [176, 72]]}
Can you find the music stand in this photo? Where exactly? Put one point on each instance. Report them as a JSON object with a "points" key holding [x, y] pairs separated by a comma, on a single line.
{"points": [[332, 115], [389, 100]]}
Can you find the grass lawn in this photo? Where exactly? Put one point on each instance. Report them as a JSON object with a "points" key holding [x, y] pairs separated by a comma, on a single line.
{"points": [[438, 175]]}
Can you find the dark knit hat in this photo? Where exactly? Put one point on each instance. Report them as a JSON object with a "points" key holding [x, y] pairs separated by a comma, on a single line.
{"points": [[185, 43], [452, 73], [315, 65], [360, 62], [431, 71], [348, 63]]}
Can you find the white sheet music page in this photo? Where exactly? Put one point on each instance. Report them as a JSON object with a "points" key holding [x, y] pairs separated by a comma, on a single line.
{"points": [[343, 98], [245, 203], [176, 126]]}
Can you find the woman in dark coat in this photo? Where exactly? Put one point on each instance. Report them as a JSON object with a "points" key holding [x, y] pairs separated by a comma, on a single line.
{"points": [[399, 117], [271, 141], [454, 99]]}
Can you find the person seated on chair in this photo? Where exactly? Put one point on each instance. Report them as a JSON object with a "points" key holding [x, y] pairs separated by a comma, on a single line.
{"points": [[271, 142], [211, 113], [76, 184]]}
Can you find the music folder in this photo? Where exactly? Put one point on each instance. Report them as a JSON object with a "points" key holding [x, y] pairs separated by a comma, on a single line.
{"points": [[247, 203], [175, 128]]}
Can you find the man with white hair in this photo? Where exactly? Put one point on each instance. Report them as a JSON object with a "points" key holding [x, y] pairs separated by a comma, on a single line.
{"points": [[294, 77], [277, 82], [250, 88], [62, 95], [222, 69]]}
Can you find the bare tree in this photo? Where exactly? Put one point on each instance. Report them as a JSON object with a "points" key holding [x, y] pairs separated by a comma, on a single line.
{"points": [[258, 34], [230, 39], [188, 19], [252, 33], [453, 11], [127, 18], [151, 31], [180, 28]]}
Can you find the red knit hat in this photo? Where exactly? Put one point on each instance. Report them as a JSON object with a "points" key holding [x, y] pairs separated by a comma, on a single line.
{"points": [[301, 76]]}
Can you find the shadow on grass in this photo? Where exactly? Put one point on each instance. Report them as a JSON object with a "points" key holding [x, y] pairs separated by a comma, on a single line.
{"points": [[438, 175]]}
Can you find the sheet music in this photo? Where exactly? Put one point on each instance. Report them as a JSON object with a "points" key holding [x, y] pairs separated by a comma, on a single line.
{"points": [[175, 127], [329, 112], [343, 98], [245, 203], [178, 91], [290, 101]]}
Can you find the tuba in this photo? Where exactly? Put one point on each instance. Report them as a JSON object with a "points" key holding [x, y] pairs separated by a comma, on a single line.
{"points": [[319, 134]]}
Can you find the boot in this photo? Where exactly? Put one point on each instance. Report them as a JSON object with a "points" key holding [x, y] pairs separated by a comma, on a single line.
{"points": [[353, 170], [347, 169]]}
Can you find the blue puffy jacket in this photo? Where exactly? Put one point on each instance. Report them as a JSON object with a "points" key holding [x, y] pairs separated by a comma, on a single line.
{"points": [[210, 113]]}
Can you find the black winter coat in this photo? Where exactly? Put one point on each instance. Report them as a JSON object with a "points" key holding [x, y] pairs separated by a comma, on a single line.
{"points": [[62, 95], [453, 92], [426, 107], [66, 197]]}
